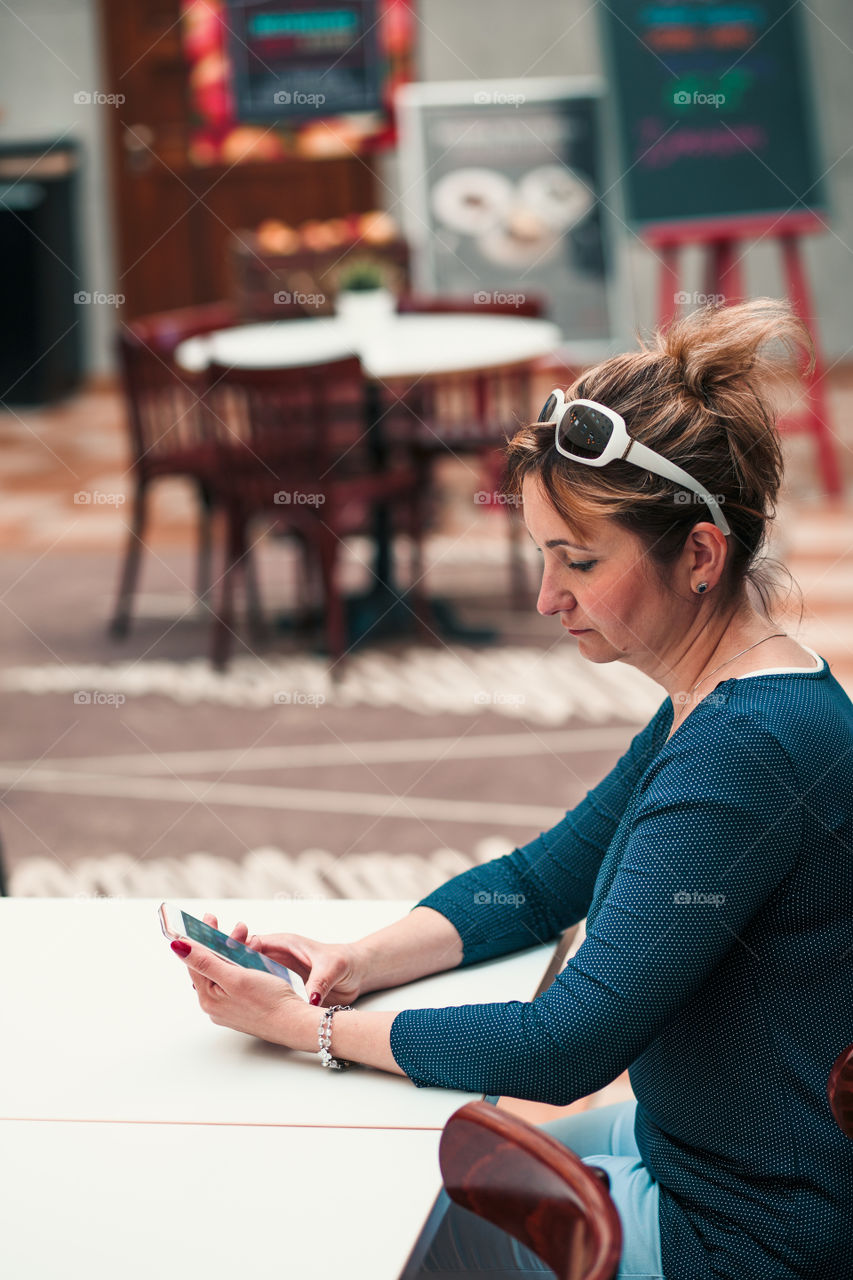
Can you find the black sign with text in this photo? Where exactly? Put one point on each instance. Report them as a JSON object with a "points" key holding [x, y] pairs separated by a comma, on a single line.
{"points": [[291, 58], [713, 109]]}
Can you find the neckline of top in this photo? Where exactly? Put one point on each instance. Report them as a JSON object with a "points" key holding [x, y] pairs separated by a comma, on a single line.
{"points": [[786, 671], [818, 670]]}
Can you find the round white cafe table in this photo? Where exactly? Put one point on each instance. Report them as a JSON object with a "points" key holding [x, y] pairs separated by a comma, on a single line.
{"points": [[390, 347]]}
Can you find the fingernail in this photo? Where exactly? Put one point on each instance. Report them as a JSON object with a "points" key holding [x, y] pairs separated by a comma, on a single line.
{"points": [[315, 996], [181, 949]]}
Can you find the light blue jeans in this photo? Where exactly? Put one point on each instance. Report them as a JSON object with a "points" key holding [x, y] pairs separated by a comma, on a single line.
{"points": [[466, 1245]]}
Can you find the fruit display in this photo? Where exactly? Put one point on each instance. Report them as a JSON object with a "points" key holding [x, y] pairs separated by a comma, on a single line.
{"points": [[279, 239], [279, 269]]}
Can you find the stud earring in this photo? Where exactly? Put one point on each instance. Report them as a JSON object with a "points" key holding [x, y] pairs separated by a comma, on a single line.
{"points": [[702, 588]]}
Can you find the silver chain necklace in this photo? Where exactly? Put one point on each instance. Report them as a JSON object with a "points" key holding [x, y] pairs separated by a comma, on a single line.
{"points": [[775, 636]]}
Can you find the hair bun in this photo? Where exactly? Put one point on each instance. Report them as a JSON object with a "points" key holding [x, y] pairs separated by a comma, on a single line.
{"points": [[752, 342]]}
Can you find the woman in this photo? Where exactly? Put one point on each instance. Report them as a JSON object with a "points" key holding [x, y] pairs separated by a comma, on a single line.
{"points": [[712, 865]]}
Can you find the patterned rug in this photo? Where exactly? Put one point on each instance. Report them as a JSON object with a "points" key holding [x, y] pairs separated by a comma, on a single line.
{"points": [[543, 687], [262, 873]]}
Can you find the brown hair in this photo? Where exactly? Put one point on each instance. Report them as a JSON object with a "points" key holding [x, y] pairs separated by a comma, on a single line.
{"points": [[704, 394]]}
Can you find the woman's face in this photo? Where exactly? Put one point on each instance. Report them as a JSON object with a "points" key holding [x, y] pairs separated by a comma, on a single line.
{"points": [[605, 590]]}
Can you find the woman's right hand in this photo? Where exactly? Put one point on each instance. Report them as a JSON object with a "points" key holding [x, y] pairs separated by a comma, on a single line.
{"points": [[333, 971]]}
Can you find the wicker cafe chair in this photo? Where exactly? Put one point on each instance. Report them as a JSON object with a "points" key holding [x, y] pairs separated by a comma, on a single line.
{"points": [[840, 1090], [300, 450], [522, 1180], [472, 414], [169, 434]]}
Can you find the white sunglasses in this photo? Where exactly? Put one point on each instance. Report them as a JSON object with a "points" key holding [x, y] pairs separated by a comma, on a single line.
{"points": [[591, 433]]}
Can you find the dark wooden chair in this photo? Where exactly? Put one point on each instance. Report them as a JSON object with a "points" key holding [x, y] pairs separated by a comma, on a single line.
{"points": [[840, 1090], [471, 414], [169, 434], [522, 1180], [300, 451]]}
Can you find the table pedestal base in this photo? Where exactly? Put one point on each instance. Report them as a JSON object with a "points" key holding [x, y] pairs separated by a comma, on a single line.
{"points": [[383, 613]]}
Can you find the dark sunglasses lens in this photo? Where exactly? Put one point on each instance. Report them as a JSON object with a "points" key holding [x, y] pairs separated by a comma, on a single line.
{"points": [[548, 409], [584, 431]]}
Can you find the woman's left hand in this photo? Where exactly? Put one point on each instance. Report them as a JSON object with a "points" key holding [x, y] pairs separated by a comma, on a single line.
{"points": [[255, 1003]]}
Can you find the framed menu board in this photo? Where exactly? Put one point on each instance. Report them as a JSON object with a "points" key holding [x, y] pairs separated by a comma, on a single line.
{"points": [[502, 183], [713, 112], [295, 57]]}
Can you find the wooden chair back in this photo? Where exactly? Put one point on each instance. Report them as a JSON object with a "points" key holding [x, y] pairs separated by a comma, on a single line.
{"points": [[840, 1090], [307, 424], [468, 412], [164, 415], [525, 1182]]}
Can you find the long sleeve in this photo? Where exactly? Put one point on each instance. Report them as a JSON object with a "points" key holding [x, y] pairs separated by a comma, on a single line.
{"points": [[712, 832], [533, 894]]}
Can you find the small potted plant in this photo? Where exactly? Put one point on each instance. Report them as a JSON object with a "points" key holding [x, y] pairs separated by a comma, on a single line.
{"points": [[363, 296]]}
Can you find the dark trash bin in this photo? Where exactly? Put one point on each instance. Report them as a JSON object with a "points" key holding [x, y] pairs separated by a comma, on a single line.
{"points": [[40, 323]]}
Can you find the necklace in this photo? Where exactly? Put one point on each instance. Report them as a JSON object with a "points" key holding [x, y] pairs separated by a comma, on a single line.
{"points": [[774, 636]]}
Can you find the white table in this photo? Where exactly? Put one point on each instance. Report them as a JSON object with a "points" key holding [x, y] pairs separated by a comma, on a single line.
{"points": [[104, 1025], [137, 1201], [135, 1132], [395, 347]]}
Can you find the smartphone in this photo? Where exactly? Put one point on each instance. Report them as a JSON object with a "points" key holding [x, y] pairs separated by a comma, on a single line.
{"points": [[177, 923]]}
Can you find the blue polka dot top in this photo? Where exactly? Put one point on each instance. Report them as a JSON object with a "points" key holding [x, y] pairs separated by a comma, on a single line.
{"points": [[715, 872]]}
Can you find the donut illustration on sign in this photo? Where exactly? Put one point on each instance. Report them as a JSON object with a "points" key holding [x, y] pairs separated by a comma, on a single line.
{"points": [[512, 223]]}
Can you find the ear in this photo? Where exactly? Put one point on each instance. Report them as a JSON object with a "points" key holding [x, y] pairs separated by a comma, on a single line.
{"points": [[705, 553]]}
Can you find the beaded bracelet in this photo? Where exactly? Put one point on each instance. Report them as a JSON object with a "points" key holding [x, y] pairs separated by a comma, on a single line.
{"points": [[324, 1036]]}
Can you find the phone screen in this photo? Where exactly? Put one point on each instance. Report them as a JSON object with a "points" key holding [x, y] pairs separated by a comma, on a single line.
{"points": [[229, 948]]}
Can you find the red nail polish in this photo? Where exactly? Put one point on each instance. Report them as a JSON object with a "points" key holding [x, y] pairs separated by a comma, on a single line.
{"points": [[315, 998], [181, 949]]}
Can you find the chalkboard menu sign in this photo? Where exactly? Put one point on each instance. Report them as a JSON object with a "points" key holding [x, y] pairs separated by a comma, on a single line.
{"points": [[501, 183], [298, 58], [713, 110]]}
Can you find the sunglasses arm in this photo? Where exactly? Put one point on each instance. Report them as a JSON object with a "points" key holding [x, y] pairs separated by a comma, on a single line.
{"points": [[642, 456]]}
